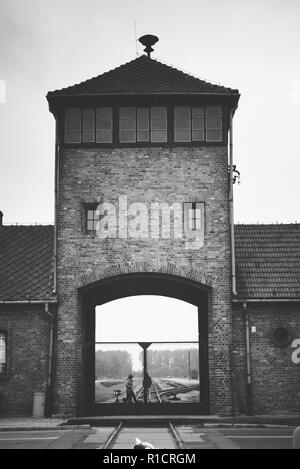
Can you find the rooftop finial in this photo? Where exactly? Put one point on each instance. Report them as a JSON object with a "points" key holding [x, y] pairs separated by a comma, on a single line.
{"points": [[148, 40]]}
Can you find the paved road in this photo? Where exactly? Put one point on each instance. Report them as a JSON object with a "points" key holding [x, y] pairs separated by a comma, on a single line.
{"points": [[260, 438], [195, 437], [33, 439]]}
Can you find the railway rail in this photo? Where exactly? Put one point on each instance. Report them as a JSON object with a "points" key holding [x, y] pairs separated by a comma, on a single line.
{"points": [[175, 438]]}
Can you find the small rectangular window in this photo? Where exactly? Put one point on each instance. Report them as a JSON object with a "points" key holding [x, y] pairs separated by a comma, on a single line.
{"points": [[127, 124], [182, 123], [73, 125], [3, 352], [104, 125], [159, 125], [88, 125], [213, 124], [198, 124], [143, 125], [193, 216], [92, 218]]}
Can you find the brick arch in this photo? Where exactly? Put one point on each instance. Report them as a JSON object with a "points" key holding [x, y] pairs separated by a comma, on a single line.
{"points": [[185, 272]]}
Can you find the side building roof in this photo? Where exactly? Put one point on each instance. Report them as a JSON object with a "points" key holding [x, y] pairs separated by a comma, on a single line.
{"points": [[26, 263], [267, 262]]}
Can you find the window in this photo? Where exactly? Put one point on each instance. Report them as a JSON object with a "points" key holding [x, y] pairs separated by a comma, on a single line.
{"points": [[197, 124], [193, 216], [3, 358], [88, 125], [213, 123], [143, 124], [92, 217]]}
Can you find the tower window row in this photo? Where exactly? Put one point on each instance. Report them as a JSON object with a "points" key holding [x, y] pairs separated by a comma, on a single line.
{"points": [[143, 125]]}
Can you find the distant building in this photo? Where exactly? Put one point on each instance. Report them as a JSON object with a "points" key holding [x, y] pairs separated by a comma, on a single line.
{"points": [[148, 133]]}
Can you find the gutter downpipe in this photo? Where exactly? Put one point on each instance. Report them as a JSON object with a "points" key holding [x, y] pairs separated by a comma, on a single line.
{"points": [[48, 405], [248, 362], [233, 274], [56, 177]]}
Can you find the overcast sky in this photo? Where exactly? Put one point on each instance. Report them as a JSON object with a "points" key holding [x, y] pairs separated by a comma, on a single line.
{"points": [[249, 45]]}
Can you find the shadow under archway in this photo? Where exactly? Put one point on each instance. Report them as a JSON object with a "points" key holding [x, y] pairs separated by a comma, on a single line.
{"points": [[133, 284]]}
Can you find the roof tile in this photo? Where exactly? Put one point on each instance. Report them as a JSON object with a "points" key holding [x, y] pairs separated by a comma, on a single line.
{"points": [[26, 263], [143, 75]]}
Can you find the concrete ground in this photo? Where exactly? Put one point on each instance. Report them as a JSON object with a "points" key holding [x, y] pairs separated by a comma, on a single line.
{"points": [[202, 432]]}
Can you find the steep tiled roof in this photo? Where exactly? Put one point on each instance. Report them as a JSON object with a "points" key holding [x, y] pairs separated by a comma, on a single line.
{"points": [[143, 75], [26, 262], [268, 260]]}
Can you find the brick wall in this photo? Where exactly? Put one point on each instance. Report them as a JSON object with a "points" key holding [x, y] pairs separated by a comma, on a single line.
{"points": [[275, 378], [144, 175], [28, 345]]}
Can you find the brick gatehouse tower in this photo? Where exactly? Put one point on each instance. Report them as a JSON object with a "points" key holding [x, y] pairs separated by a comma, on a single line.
{"points": [[149, 143]]}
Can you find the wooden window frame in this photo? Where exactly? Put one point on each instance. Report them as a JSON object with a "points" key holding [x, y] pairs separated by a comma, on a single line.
{"points": [[169, 103], [150, 130], [82, 120], [205, 128], [3, 365]]}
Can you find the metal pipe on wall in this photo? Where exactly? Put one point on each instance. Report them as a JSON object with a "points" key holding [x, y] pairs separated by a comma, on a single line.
{"points": [[56, 192], [248, 362], [233, 274], [50, 361]]}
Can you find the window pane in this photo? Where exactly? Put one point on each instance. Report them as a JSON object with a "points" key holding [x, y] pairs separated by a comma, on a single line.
{"points": [[182, 124], [127, 124], [104, 113], [182, 112], [213, 111], [88, 136], [213, 123], [90, 225], [127, 136], [73, 113], [104, 136], [103, 124], [158, 136], [2, 350], [143, 112], [158, 124], [72, 136], [143, 135], [73, 124], [214, 135], [127, 112], [198, 135], [198, 112], [143, 124], [198, 124], [88, 124], [159, 111], [182, 136], [90, 214], [89, 114]]}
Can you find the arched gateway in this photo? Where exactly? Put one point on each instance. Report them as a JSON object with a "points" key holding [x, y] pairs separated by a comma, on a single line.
{"points": [[144, 283]]}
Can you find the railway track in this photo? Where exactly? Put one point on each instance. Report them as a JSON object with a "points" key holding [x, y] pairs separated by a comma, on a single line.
{"points": [[164, 436]]}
